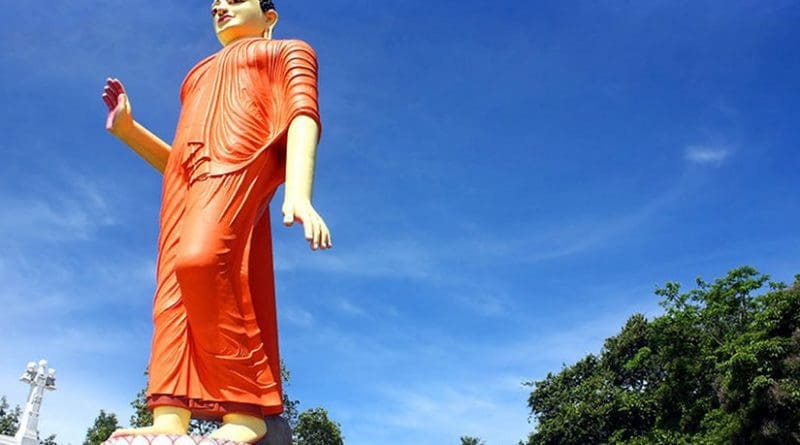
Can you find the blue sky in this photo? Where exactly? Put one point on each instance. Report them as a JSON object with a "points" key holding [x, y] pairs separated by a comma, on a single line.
{"points": [[505, 182]]}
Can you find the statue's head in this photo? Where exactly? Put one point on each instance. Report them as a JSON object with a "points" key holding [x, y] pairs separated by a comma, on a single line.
{"points": [[235, 19]]}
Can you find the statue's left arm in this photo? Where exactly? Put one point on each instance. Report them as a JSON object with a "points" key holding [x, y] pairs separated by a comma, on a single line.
{"points": [[300, 82], [301, 149]]}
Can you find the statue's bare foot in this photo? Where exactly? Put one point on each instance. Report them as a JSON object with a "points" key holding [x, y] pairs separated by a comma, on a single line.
{"points": [[240, 428], [166, 420]]}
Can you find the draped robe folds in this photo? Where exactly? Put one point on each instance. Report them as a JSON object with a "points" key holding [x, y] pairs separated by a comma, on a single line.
{"points": [[215, 341]]}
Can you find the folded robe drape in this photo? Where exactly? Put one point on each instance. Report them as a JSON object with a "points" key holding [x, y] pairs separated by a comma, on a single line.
{"points": [[215, 341]]}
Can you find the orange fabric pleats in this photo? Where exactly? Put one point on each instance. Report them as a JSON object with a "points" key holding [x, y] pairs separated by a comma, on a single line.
{"points": [[215, 341]]}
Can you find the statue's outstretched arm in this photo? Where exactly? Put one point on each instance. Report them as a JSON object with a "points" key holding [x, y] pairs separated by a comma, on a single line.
{"points": [[120, 123], [301, 152]]}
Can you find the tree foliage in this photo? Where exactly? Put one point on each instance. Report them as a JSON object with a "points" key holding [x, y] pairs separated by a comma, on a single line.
{"points": [[142, 416], [104, 425], [721, 366], [9, 418], [291, 407], [9, 422], [315, 428], [467, 440]]}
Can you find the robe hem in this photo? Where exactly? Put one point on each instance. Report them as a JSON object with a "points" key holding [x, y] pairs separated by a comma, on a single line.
{"points": [[211, 410]]}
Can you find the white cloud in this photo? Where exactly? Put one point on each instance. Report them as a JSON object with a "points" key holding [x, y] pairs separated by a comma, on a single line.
{"points": [[297, 316], [433, 412], [426, 386], [449, 392], [407, 258], [489, 304], [567, 238], [68, 207], [346, 306], [433, 260], [706, 155]]}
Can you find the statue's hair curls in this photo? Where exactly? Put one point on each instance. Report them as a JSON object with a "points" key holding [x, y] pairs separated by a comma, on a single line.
{"points": [[266, 5]]}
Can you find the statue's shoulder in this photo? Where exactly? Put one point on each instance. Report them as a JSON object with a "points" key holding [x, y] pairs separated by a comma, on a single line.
{"points": [[291, 45], [294, 43], [194, 74], [278, 50]]}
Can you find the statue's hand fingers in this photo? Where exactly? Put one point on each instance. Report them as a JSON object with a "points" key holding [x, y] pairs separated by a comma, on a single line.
{"points": [[325, 236], [328, 238], [117, 86], [109, 102], [288, 215], [308, 227], [317, 233], [108, 91]]}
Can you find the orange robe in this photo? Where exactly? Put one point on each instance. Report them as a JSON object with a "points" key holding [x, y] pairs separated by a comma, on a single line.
{"points": [[215, 341]]}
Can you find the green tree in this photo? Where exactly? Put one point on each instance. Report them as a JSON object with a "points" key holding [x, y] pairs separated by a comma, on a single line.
{"points": [[720, 366], [9, 418], [9, 421], [49, 440], [104, 425], [466, 440], [198, 427], [291, 407], [142, 416], [315, 428]]}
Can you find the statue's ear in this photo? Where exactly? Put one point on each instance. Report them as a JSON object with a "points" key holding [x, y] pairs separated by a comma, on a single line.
{"points": [[272, 20]]}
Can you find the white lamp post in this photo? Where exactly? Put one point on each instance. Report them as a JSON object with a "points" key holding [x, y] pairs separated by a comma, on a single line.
{"points": [[39, 380]]}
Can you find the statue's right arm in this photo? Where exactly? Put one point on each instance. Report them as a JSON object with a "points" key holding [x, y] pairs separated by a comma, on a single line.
{"points": [[120, 123]]}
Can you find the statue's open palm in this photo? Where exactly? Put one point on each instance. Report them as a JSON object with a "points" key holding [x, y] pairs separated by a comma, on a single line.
{"points": [[120, 117]]}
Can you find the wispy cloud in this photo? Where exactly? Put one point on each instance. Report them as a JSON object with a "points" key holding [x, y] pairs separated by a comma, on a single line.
{"points": [[406, 258], [440, 413], [298, 316], [68, 207], [448, 388], [706, 154], [487, 303], [89, 53], [433, 260], [347, 307]]}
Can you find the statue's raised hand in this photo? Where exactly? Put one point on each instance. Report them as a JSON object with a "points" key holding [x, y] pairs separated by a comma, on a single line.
{"points": [[120, 118]]}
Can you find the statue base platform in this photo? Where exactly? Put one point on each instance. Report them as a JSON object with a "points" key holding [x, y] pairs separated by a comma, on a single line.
{"points": [[166, 439], [278, 433]]}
